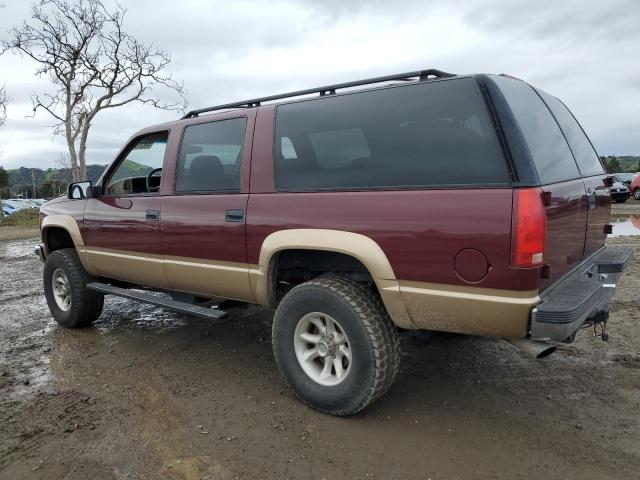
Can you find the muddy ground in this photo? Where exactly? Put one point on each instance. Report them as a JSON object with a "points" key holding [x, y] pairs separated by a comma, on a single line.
{"points": [[150, 394]]}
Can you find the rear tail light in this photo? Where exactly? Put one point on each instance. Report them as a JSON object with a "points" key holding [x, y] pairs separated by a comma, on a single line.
{"points": [[528, 226]]}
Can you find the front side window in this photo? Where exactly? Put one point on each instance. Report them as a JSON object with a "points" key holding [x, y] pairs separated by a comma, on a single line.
{"points": [[421, 135], [141, 169], [210, 157]]}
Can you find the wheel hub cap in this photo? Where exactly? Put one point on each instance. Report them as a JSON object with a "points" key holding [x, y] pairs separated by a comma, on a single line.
{"points": [[61, 290], [322, 349]]}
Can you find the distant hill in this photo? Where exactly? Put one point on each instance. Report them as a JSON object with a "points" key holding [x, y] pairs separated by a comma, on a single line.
{"points": [[625, 163], [50, 182], [629, 163]]}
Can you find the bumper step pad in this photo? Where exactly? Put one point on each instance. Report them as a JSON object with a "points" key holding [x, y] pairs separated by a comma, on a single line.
{"points": [[573, 300], [613, 259], [579, 296]]}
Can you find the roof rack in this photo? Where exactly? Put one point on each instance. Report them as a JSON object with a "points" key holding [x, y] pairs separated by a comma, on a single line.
{"points": [[422, 75]]}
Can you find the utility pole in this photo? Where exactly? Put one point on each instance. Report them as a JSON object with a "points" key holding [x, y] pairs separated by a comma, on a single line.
{"points": [[33, 181]]}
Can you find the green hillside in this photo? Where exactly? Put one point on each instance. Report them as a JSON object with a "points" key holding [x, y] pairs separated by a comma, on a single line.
{"points": [[49, 183], [625, 163]]}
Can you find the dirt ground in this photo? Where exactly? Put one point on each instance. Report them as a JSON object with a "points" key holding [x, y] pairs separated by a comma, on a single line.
{"points": [[150, 394], [15, 233]]}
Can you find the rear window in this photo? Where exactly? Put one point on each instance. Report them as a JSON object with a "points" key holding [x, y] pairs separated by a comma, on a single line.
{"points": [[421, 135], [549, 150], [583, 152]]}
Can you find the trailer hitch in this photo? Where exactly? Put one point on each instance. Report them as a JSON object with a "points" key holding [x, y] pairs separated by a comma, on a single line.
{"points": [[599, 321]]}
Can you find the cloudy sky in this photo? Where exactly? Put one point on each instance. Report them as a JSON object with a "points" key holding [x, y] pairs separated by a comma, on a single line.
{"points": [[585, 51]]}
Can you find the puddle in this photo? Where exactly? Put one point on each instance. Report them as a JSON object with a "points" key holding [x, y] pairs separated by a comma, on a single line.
{"points": [[17, 249], [625, 225], [121, 314]]}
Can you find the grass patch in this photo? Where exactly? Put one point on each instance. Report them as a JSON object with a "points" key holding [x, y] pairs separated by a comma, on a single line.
{"points": [[29, 217]]}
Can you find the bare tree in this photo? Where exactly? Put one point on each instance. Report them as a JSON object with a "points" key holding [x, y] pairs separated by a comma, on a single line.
{"points": [[4, 99], [93, 64]]}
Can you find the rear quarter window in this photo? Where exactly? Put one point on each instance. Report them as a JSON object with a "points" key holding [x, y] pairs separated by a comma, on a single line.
{"points": [[547, 145], [583, 152], [421, 135]]}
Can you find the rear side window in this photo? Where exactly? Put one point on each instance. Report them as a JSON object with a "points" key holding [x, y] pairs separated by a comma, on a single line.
{"points": [[210, 156], [549, 150], [421, 135], [585, 155]]}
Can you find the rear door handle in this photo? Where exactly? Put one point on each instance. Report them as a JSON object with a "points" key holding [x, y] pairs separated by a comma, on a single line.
{"points": [[236, 216], [153, 215]]}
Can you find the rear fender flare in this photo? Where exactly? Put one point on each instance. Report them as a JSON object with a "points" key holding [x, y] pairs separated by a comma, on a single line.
{"points": [[361, 247]]}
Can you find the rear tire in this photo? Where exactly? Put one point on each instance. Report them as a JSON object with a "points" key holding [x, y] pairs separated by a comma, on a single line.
{"points": [[344, 325], [636, 194], [71, 303]]}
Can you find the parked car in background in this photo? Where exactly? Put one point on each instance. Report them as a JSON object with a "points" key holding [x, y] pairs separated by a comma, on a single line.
{"points": [[624, 178], [635, 187], [16, 204], [473, 204], [619, 192], [7, 209]]}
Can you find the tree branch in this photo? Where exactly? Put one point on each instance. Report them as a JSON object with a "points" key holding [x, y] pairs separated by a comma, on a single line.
{"points": [[93, 65]]}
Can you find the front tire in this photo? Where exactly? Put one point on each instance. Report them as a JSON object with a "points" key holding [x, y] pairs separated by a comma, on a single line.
{"points": [[636, 194], [335, 345], [71, 303]]}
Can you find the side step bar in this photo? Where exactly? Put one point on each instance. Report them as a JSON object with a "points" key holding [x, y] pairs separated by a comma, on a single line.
{"points": [[163, 302]]}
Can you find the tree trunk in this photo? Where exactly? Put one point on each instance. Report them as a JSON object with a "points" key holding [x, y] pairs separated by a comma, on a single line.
{"points": [[1, 210], [83, 147]]}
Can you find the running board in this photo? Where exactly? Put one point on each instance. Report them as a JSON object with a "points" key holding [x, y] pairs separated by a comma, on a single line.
{"points": [[163, 302]]}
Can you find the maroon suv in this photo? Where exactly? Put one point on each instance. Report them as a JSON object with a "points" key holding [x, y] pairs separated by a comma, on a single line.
{"points": [[462, 203]]}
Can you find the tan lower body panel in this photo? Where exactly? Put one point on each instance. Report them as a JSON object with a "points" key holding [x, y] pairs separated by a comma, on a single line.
{"points": [[208, 278], [141, 268], [470, 310], [411, 305]]}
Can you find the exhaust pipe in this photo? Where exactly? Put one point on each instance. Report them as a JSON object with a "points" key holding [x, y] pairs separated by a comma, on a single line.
{"points": [[532, 347]]}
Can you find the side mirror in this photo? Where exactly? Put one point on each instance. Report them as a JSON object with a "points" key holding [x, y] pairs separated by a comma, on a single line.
{"points": [[608, 182], [79, 190]]}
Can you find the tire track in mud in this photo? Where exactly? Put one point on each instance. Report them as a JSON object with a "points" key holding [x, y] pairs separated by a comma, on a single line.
{"points": [[26, 436]]}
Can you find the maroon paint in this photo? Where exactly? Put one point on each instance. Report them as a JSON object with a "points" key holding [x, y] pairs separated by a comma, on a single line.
{"points": [[471, 265], [262, 161], [195, 226], [566, 223], [120, 223], [420, 231], [598, 215]]}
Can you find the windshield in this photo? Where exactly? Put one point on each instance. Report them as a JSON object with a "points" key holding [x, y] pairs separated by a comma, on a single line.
{"points": [[625, 177]]}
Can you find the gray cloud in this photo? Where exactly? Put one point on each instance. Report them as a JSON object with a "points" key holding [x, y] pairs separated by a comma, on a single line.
{"points": [[582, 51]]}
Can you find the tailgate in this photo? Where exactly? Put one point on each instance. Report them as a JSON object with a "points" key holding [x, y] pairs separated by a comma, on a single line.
{"points": [[598, 214], [567, 214], [569, 171]]}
